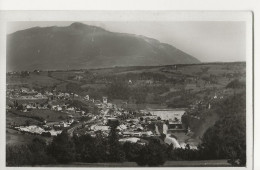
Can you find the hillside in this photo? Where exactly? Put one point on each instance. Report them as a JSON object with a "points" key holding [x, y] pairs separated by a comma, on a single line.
{"points": [[80, 46]]}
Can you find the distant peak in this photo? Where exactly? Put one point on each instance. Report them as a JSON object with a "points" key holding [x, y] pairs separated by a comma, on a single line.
{"points": [[77, 24]]}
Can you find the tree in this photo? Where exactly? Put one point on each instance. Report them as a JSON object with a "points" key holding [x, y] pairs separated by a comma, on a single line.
{"points": [[90, 149], [118, 90], [25, 74], [74, 88], [235, 84], [227, 138], [153, 154], [28, 122], [95, 110], [20, 107], [32, 154], [116, 152], [62, 148], [132, 151], [49, 106], [46, 134], [204, 69]]}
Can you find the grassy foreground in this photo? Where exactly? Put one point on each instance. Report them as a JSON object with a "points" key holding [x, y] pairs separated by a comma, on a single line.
{"points": [[201, 163]]}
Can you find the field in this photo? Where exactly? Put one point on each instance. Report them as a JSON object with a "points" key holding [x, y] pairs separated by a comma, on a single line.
{"points": [[19, 120], [14, 137], [38, 115], [34, 80]]}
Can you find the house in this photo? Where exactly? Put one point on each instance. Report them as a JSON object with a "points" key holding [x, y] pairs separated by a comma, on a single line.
{"points": [[139, 128], [149, 81], [39, 95], [105, 100], [53, 107], [66, 95], [8, 107], [57, 127], [130, 133], [190, 87], [175, 126], [137, 134], [86, 97], [59, 108], [154, 117], [64, 124], [55, 132], [147, 133], [122, 127], [46, 127], [71, 121], [131, 140], [70, 109], [47, 93], [56, 107], [101, 128], [70, 116], [36, 71], [29, 106], [97, 101], [127, 133], [209, 106], [24, 90], [78, 77], [109, 105]]}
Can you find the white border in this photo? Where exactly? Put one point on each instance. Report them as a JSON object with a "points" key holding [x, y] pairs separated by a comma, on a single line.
{"points": [[128, 4], [246, 16]]}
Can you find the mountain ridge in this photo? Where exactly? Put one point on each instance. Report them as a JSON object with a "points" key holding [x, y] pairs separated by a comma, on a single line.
{"points": [[81, 46]]}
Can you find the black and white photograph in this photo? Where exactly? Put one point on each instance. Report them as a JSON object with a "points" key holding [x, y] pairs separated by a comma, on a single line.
{"points": [[129, 89]]}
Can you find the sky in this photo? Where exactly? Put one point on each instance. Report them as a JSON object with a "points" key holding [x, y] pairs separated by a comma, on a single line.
{"points": [[208, 41]]}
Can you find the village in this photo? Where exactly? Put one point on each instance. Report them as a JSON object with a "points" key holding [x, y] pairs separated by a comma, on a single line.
{"points": [[169, 107], [132, 126]]}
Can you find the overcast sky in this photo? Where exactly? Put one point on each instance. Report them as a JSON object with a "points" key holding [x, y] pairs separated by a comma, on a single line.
{"points": [[208, 41]]}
